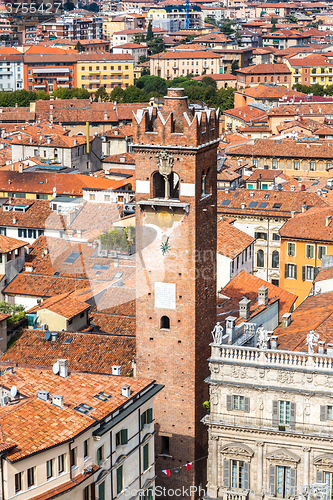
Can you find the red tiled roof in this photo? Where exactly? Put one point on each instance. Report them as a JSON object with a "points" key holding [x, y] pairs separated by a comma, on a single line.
{"points": [[230, 240], [310, 225], [245, 284], [279, 203], [63, 305], [265, 69], [220, 77], [197, 54], [85, 352], [8, 244], [314, 313]]}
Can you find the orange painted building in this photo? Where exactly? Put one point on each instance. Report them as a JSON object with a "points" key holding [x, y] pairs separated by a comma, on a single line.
{"points": [[47, 68], [305, 239]]}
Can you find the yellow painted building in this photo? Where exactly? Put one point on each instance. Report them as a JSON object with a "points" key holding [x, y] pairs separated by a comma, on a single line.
{"points": [[305, 239], [104, 70]]}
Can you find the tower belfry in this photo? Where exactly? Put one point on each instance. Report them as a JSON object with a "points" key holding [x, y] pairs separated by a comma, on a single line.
{"points": [[176, 154]]}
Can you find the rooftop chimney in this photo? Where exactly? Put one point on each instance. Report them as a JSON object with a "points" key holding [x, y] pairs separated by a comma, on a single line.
{"points": [[126, 391], [230, 328], [63, 370], [304, 208], [244, 308], [328, 220], [43, 395], [58, 401], [274, 342], [321, 346], [286, 320], [263, 296], [292, 214]]}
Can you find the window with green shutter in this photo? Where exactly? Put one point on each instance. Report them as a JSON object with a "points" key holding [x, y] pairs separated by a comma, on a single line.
{"points": [[146, 456], [119, 480], [149, 415], [101, 491], [124, 436]]}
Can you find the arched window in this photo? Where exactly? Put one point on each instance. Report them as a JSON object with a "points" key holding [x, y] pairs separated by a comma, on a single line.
{"points": [[260, 258], [165, 323], [203, 182], [163, 188], [275, 259]]}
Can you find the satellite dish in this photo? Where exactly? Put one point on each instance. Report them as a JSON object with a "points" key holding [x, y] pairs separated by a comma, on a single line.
{"points": [[55, 368], [317, 288], [13, 391], [47, 334]]}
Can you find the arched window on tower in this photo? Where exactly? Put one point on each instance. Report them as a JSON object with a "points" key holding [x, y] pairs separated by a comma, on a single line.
{"points": [[203, 182], [275, 259], [165, 323], [165, 187], [260, 258]]}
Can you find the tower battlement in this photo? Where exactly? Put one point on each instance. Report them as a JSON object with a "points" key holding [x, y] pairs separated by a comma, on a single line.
{"points": [[175, 124]]}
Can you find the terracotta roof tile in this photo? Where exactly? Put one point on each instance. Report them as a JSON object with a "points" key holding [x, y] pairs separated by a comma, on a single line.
{"points": [[85, 352], [265, 69], [245, 284], [310, 225], [287, 148], [230, 240], [8, 244], [314, 313]]}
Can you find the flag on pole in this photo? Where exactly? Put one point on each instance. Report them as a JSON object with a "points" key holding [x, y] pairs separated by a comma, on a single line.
{"points": [[188, 465], [167, 472]]}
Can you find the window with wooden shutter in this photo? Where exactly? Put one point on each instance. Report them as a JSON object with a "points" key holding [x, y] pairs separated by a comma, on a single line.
{"points": [[320, 476], [149, 415], [272, 480], [101, 491], [292, 420], [226, 473], [303, 273], [119, 479], [293, 482], [146, 456], [124, 436], [247, 405], [286, 270], [275, 414], [246, 476], [229, 402], [143, 420], [322, 413]]}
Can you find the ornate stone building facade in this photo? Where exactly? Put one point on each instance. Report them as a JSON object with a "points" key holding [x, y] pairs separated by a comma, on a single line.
{"points": [[270, 424]]}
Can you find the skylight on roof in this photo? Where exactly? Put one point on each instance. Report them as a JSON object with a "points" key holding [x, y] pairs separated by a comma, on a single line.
{"points": [[266, 196], [253, 204], [96, 266], [81, 410], [105, 267], [72, 257], [225, 203], [235, 195], [263, 204], [85, 406], [69, 340], [118, 275], [277, 205]]}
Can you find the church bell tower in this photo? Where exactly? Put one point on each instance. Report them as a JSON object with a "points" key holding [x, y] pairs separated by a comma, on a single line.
{"points": [[176, 155]]}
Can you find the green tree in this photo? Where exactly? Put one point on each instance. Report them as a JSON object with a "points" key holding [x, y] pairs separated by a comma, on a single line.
{"points": [[42, 95], [226, 27], [156, 45], [138, 38], [117, 94], [101, 93], [234, 67], [208, 81], [211, 20], [150, 34], [273, 23], [143, 59], [291, 18], [133, 94], [79, 47], [152, 84], [80, 93], [93, 7], [225, 98]]}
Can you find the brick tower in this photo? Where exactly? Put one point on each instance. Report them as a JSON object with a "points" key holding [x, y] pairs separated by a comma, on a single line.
{"points": [[176, 152]]}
